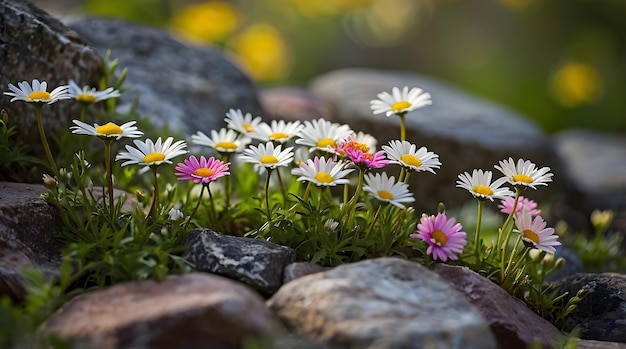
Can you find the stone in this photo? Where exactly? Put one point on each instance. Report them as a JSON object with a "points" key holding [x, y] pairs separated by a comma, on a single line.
{"points": [[177, 85], [466, 132], [601, 315], [573, 265], [380, 303], [255, 262], [291, 103], [194, 310], [299, 269], [34, 45], [589, 344], [513, 323]]}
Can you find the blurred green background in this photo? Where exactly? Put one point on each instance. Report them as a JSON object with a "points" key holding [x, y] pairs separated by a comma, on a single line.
{"points": [[560, 62]]}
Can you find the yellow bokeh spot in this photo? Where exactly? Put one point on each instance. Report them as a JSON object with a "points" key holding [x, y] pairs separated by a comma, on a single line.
{"points": [[279, 135], [397, 106], [85, 98], [411, 160], [326, 142], [226, 145], [210, 21], [383, 194], [203, 172], [483, 190], [438, 238], [153, 157], [262, 49], [39, 95], [269, 159], [531, 235], [324, 177], [109, 129], [520, 177], [576, 84]]}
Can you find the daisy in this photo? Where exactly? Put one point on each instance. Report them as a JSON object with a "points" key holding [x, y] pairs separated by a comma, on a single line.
{"points": [[90, 95], [405, 154], [37, 93], [400, 102], [525, 173], [322, 134], [534, 231], [175, 214], [204, 171], [243, 124], [322, 172], [366, 139], [443, 236], [360, 155], [107, 131], [506, 205], [151, 153], [480, 186], [386, 189], [267, 156], [276, 131], [224, 141]]}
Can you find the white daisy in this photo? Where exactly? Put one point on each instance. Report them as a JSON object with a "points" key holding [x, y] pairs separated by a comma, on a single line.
{"points": [[224, 141], [107, 131], [534, 231], [322, 172], [480, 186], [400, 102], [277, 131], [405, 154], [243, 124], [267, 156], [386, 189], [322, 134], [151, 153], [88, 94], [525, 173], [37, 93]]}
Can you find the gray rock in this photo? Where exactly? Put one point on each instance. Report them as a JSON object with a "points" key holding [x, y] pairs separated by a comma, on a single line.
{"points": [[573, 265], [184, 87], [300, 269], [291, 103], [33, 45], [380, 303], [513, 323], [183, 311], [257, 263], [601, 315], [467, 133], [589, 344]]}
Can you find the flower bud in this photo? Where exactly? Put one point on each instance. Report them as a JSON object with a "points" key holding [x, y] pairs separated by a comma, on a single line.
{"points": [[175, 214], [601, 220], [560, 262], [50, 182], [535, 254]]}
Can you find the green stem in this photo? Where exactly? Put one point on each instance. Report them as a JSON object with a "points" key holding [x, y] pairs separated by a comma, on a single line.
{"points": [[44, 141], [155, 195], [226, 157], [282, 186], [213, 213], [502, 249], [107, 161], [477, 233], [508, 270], [402, 127], [83, 109], [267, 197], [507, 239], [352, 203], [193, 213], [376, 215]]}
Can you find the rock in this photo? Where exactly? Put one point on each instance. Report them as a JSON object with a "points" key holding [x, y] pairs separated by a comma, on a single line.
{"points": [[299, 269], [255, 262], [27, 226], [467, 133], [601, 315], [380, 303], [589, 344], [184, 87], [184, 311], [33, 45], [291, 103], [513, 323], [573, 265]]}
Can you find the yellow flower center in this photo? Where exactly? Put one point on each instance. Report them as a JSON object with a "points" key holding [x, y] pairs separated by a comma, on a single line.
{"points": [[279, 135], [411, 160], [483, 190], [248, 127], [153, 157], [397, 106], [383, 194], [438, 238], [39, 95], [326, 142], [109, 129], [531, 235], [86, 98], [226, 145], [269, 159], [522, 178], [203, 172], [324, 177]]}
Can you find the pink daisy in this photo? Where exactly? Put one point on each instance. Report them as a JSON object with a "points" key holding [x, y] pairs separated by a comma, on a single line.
{"points": [[534, 232], [506, 205], [443, 236], [203, 171], [360, 156]]}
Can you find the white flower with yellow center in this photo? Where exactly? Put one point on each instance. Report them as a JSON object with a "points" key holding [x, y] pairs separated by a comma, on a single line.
{"points": [[535, 233], [322, 134], [525, 173], [244, 124], [107, 131], [151, 153], [277, 131], [37, 92], [480, 186], [322, 172], [224, 141], [267, 156], [367, 139], [405, 154], [386, 189], [400, 102], [90, 95]]}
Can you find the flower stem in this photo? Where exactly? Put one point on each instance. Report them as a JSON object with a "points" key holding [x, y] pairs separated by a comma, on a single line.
{"points": [[267, 197], [282, 186], [193, 213], [376, 215], [83, 109], [44, 141], [155, 195], [107, 161], [213, 213], [502, 249], [402, 127], [477, 233]]}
